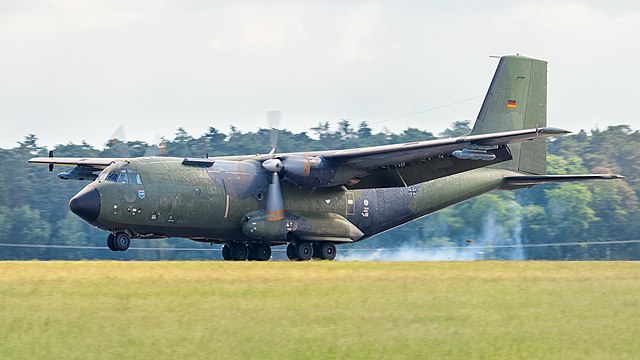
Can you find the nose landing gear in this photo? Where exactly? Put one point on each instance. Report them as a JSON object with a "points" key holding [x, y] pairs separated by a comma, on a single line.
{"points": [[120, 241]]}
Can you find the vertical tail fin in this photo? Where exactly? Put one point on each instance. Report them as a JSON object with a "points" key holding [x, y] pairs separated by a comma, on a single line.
{"points": [[517, 100]]}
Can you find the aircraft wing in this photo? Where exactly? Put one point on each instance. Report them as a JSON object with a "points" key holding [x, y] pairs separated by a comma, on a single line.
{"points": [[416, 162], [98, 163], [85, 168], [398, 153]]}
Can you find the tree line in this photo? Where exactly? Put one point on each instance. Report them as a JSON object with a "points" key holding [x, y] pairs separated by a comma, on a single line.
{"points": [[498, 225]]}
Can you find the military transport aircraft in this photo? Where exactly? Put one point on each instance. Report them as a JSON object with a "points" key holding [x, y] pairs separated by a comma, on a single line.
{"points": [[315, 200]]}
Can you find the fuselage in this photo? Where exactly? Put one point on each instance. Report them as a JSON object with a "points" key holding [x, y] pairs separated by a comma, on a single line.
{"points": [[161, 197]]}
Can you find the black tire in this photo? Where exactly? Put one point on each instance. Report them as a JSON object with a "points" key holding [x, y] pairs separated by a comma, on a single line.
{"points": [[291, 251], [262, 252], [111, 242], [304, 251], [226, 252], [239, 252], [327, 251], [259, 252], [122, 241]]}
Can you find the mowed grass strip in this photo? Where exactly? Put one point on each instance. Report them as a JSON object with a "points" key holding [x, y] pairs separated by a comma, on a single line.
{"points": [[372, 310]]}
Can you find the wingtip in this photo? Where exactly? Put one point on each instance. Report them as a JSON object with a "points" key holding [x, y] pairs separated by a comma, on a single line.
{"points": [[554, 131], [611, 176]]}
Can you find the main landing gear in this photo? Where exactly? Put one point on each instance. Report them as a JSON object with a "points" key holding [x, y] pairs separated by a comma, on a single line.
{"points": [[299, 250], [119, 241], [302, 251], [238, 251]]}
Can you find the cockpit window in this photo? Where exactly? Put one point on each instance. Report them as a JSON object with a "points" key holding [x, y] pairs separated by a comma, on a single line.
{"points": [[113, 176], [103, 175], [123, 178]]}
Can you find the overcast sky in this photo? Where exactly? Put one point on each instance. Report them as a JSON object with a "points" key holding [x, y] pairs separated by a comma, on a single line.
{"points": [[75, 70]]}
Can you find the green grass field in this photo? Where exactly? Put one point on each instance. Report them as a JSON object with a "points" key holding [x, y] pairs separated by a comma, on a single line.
{"points": [[340, 310]]}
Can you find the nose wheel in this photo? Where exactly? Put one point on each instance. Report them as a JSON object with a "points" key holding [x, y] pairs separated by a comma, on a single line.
{"points": [[119, 241], [110, 242]]}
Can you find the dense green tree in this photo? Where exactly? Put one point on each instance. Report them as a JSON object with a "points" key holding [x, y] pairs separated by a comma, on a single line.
{"points": [[458, 128], [34, 210]]}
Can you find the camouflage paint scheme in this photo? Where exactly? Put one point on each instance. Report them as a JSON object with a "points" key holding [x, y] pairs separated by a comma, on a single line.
{"points": [[334, 196], [192, 202]]}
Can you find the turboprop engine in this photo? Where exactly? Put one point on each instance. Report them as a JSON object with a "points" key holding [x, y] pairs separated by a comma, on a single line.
{"points": [[274, 223], [303, 170]]}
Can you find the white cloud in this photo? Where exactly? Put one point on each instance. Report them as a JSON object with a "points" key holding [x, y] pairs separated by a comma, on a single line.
{"points": [[191, 63]]}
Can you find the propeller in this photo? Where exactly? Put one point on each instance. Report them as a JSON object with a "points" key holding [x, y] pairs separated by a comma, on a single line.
{"points": [[275, 201], [273, 119], [119, 143], [157, 148]]}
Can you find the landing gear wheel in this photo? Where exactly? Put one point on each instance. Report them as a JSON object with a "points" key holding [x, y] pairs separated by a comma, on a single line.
{"points": [[304, 251], [111, 242], [260, 252], [327, 251], [226, 252], [239, 252], [122, 241], [291, 251]]}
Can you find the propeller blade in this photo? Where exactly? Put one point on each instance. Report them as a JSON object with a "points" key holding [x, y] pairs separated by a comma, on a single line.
{"points": [[51, 156], [275, 200], [273, 139], [119, 143], [157, 148], [273, 119]]}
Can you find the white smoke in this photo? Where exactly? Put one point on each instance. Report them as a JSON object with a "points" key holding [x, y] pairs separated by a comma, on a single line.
{"points": [[408, 253], [493, 242]]}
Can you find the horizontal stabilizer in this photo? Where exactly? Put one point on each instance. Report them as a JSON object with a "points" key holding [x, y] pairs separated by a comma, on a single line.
{"points": [[530, 180]]}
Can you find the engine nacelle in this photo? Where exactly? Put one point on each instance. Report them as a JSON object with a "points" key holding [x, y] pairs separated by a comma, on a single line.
{"points": [[308, 171], [310, 227], [80, 173]]}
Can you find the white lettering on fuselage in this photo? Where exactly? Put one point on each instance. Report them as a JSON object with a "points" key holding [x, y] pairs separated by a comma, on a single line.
{"points": [[365, 210]]}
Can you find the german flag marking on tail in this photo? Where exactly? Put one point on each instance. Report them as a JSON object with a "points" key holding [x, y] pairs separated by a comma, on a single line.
{"points": [[511, 104]]}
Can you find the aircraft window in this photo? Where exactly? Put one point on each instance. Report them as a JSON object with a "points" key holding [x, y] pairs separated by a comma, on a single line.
{"points": [[138, 180], [123, 178], [113, 176], [102, 176]]}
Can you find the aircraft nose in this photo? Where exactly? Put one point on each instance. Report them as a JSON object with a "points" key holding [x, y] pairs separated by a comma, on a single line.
{"points": [[86, 204]]}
